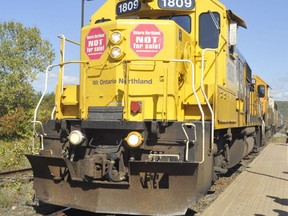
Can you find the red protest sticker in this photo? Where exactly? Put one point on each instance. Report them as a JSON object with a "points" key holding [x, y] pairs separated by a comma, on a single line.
{"points": [[146, 40], [95, 43]]}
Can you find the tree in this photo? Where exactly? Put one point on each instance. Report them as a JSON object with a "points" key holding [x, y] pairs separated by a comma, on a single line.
{"points": [[23, 54], [46, 107]]}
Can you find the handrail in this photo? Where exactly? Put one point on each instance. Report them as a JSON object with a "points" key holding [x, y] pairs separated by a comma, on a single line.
{"points": [[61, 77], [187, 138], [61, 36], [53, 112], [205, 96], [62, 63], [62, 58], [49, 68], [198, 103]]}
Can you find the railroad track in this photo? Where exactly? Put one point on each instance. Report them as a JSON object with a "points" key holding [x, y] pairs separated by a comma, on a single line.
{"points": [[62, 212], [20, 175]]}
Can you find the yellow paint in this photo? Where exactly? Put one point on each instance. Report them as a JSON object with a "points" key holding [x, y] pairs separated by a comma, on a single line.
{"points": [[163, 86]]}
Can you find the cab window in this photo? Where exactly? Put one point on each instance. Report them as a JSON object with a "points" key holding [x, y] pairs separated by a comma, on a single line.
{"points": [[183, 20], [261, 91], [209, 24]]}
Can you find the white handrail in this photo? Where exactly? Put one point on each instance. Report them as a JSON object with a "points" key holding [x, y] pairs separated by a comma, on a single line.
{"points": [[205, 96], [49, 68], [187, 138], [198, 103], [62, 58]]}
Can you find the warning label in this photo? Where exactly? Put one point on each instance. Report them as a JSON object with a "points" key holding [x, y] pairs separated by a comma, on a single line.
{"points": [[95, 43], [146, 40]]}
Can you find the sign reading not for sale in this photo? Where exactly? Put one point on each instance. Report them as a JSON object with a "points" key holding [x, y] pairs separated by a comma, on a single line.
{"points": [[95, 43], [146, 40]]}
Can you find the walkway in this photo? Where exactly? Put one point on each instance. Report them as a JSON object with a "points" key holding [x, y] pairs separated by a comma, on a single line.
{"points": [[260, 190]]}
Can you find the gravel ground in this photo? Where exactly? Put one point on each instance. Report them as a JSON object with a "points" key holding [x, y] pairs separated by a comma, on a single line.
{"points": [[23, 204]]}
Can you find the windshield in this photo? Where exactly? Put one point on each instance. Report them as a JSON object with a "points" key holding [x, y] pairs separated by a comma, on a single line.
{"points": [[182, 20]]}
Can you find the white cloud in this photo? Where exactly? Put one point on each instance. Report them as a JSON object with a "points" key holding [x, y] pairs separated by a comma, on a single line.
{"points": [[280, 95], [71, 80], [71, 77]]}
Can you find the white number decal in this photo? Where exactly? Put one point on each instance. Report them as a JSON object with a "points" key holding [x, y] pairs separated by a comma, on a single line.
{"points": [[188, 3], [179, 3], [185, 4], [171, 3], [128, 6]]}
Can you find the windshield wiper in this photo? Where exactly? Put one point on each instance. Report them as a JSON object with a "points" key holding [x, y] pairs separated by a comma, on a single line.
{"points": [[214, 20]]}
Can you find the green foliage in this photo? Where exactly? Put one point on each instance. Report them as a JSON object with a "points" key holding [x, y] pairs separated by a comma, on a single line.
{"points": [[12, 154], [46, 107], [13, 193], [15, 124], [23, 54], [8, 194], [15, 94], [283, 108], [23, 51]]}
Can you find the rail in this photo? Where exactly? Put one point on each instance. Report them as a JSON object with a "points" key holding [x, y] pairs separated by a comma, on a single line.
{"points": [[187, 138], [198, 103], [61, 85], [18, 171], [60, 212], [20, 175], [62, 59], [205, 96]]}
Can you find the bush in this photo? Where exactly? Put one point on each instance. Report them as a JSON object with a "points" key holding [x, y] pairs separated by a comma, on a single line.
{"points": [[16, 125], [47, 105], [12, 154]]}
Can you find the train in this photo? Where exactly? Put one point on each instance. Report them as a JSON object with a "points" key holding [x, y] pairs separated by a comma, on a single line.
{"points": [[165, 104], [272, 118]]}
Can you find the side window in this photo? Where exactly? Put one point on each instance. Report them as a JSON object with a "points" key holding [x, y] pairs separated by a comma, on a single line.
{"points": [[261, 91], [209, 30]]}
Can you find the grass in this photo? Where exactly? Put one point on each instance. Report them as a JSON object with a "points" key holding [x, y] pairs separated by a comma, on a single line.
{"points": [[12, 154], [283, 107], [12, 157]]}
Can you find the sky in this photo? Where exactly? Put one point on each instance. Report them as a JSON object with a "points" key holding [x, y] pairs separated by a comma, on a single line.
{"points": [[264, 44]]}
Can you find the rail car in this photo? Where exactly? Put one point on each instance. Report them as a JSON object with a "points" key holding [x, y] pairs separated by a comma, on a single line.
{"points": [[272, 119], [165, 103]]}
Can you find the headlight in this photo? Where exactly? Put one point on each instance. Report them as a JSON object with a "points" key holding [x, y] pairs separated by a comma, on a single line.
{"points": [[116, 38], [116, 53], [76, 137], [134, 139]]}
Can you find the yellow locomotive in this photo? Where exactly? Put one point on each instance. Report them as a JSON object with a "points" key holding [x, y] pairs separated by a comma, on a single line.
{"points": [[164, 104], [272, 119]]}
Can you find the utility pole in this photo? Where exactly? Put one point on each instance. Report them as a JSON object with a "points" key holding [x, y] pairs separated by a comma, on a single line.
{"points": [[82, 11]]}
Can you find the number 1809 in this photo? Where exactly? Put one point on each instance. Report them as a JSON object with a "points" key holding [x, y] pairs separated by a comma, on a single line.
{"points": [[128, 6], [187, 4]]}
